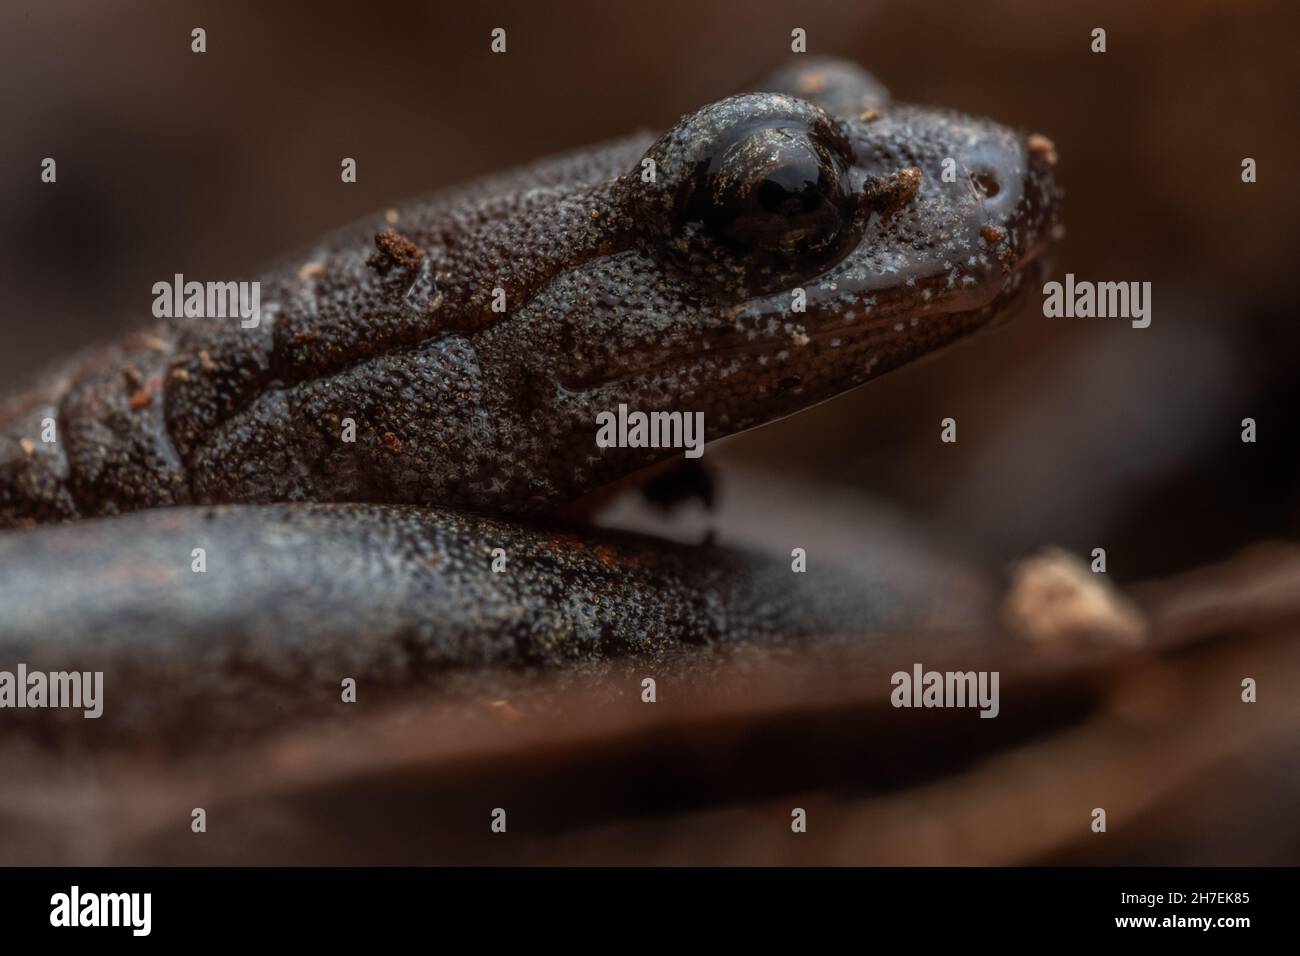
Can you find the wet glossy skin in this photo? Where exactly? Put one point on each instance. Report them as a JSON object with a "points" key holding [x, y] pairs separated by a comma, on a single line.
{"points": [[675, 293], [614, 294], [296, 597]]}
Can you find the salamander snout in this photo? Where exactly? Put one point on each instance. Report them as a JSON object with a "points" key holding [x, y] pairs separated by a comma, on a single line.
{"points": [[826, 178]]}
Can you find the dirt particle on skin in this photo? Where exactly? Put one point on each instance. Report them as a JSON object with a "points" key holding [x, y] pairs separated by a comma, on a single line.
{"points": [[144, 395], [993, 233], [562, 543], [394, 249], [909, 181], [151, 343], [614, 558], [811, 83], [607, 555], [392, 443], [890, 193], [1042, 147]]}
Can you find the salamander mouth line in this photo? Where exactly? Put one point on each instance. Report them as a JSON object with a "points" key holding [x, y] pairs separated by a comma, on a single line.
{"points": [[860, 333], [486, 318]]}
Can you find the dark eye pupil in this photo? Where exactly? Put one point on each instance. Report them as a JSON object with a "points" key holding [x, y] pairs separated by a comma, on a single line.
{"points": [[777, 194], [776, 190], [752, 194]]}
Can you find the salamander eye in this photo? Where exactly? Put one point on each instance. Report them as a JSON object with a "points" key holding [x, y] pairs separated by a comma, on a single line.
{"points": [[779, 189], [755, 191]]}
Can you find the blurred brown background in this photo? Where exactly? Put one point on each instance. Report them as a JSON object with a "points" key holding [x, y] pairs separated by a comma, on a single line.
{"points": [[1076, 432]]}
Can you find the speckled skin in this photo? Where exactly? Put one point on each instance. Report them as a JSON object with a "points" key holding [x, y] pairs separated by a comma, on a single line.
{"points": [[297, 597], [459, 406], [615, 294]]}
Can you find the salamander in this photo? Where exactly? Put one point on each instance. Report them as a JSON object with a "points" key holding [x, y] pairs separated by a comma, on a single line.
{"points": [[294, 598], [767, 252]]}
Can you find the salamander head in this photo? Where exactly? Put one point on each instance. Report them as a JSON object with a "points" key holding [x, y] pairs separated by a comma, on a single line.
{"points": [[776, 248], [767, 252]]}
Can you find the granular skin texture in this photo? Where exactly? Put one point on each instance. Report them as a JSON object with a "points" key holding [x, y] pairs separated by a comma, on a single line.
{"points": [[359, 486], [293, 599], [471, 338]]}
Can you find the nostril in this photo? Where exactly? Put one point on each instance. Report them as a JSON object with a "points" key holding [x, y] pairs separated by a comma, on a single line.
{"points": [[987, 184]]}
